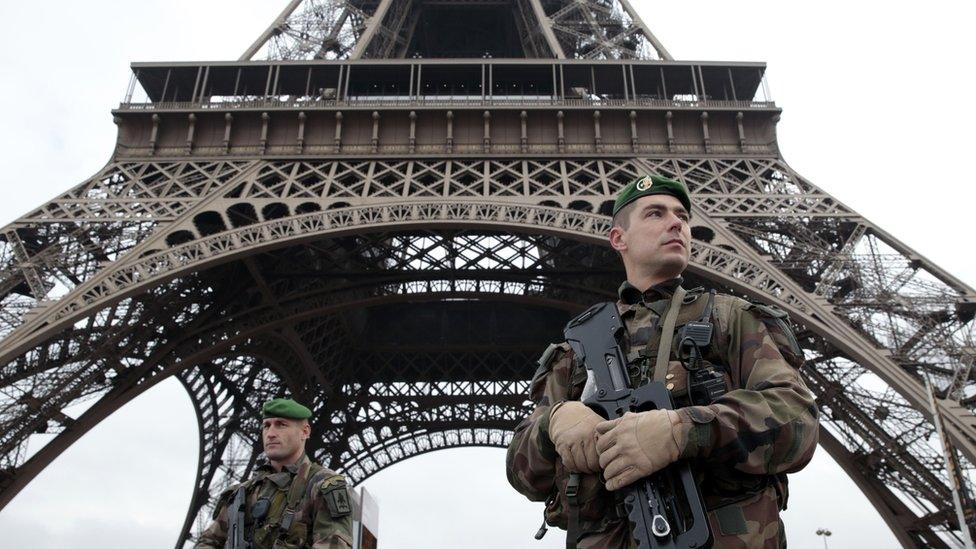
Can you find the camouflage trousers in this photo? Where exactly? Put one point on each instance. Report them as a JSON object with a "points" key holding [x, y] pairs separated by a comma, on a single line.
{"points": [[752, 523]]}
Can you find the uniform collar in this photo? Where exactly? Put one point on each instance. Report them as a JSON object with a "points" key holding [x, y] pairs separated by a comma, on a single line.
{"points": [[266, 467], [630, 295]]}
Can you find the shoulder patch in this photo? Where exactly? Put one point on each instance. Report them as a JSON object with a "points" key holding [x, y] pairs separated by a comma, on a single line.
{"points": [[335, 492], [333, 480]]}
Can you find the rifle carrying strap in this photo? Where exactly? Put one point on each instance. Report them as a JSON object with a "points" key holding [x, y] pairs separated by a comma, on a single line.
{"points": [[573, 523], [295, 493], [667, 334]]}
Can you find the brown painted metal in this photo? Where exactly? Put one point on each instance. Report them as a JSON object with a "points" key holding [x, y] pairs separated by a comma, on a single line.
{"points": [[393, 238]]}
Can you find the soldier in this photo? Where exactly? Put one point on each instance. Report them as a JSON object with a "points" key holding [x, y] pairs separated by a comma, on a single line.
{"points": [[290, 501], [742, 433]]}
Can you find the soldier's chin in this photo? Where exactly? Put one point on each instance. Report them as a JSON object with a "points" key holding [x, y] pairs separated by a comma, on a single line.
{"points": [[276, 452], [674, 264]]}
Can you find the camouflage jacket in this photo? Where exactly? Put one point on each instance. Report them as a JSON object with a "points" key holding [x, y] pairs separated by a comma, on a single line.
{"points": [[740, 445], [323, 519]]}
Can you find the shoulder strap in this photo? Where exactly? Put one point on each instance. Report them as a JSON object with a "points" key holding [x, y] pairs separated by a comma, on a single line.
{"points": [[295, 495], [667, 334], [709, 305]]}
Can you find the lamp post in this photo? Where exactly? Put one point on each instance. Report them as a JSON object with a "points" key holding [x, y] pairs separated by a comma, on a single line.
{"points": [[825, 533]]}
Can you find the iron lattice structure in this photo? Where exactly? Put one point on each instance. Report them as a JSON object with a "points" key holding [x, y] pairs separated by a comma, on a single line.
{"points": [[390, 224]]}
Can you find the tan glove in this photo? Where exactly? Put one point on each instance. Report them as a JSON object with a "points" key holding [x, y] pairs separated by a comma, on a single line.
{"points": [[571, 426], [636, 445]]}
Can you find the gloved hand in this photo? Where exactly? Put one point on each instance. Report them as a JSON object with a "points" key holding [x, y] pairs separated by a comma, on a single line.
{"points": [[571, 426], [636, 445]]}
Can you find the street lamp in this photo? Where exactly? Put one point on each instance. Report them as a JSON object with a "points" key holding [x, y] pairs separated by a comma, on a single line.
{"points": [[825, 533]]}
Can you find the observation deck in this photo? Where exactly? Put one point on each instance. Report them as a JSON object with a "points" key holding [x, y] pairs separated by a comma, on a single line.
{"points": [[446, 107]]}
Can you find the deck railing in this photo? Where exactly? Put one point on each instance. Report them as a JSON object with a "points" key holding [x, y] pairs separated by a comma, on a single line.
{"points": [[442, 102]]}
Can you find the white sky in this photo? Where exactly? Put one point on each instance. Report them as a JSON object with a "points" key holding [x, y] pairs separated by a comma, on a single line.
{"points": [[875, 113]]}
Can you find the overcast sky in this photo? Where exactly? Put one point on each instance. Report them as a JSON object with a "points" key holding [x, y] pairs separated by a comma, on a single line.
{"points": [[876, 112]]}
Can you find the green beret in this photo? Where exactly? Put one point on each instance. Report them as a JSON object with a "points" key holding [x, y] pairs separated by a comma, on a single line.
{"points": [[647, 185], [285, 407]]}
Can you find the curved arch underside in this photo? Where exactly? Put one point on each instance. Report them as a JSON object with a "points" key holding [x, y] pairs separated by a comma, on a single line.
{"points": [[407, 302]]}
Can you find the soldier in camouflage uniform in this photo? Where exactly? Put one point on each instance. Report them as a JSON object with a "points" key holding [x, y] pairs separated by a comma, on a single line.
{"points": [[291, 502], [741, 444]]}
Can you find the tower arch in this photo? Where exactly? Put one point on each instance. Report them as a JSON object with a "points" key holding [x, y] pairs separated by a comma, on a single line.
{"points": [[122, 252]]}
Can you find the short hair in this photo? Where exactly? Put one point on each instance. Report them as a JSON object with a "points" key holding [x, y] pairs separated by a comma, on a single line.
{"points": [[622, 217]]}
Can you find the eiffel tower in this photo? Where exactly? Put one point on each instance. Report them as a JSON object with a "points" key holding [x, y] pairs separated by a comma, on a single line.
{"points": [[387, 209]]}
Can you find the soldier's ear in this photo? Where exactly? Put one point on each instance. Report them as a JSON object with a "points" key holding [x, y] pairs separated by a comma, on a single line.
{"points": [[617, 241]]}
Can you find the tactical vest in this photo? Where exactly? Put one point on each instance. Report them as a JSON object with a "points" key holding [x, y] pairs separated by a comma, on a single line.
{"points": [[597, 507], [719, 486], [275, 520]]}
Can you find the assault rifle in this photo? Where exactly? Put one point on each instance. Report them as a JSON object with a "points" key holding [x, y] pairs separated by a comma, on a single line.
{"points": [[235, 522], [665, 509]]}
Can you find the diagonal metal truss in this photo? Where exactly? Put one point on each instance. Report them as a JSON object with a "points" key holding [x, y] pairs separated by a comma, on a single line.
{"points": [[595, 29], [405, 296], [164, 307], [313, 29], [354, 29]]}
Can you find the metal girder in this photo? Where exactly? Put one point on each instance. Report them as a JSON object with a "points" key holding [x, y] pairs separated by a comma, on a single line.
{"points": [[545, 24], [893, 511], [593, 29], [661, 50], [400, 32], [30, 274], [312, 29], [288, 333], [272, 29], [296, 34], [375, 22]]}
